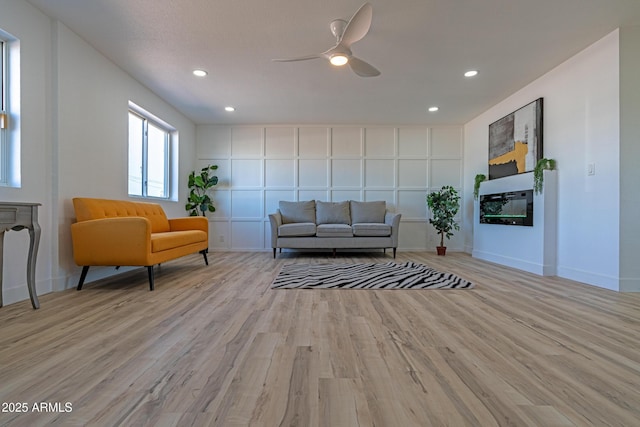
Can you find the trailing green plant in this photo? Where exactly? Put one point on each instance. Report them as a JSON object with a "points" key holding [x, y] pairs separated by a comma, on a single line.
{"points": [[444, 205], [476, 186], [199, 201], [538, 175]]}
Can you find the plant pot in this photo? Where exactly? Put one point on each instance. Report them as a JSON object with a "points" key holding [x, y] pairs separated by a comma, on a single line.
{"points": [[442, 250]]}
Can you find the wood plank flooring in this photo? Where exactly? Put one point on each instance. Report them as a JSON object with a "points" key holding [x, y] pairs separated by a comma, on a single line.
{"points": [[215, 346]]}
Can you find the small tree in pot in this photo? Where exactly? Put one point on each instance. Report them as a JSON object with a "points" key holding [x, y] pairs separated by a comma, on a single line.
{"points": [[444, 205], [199, 201]]}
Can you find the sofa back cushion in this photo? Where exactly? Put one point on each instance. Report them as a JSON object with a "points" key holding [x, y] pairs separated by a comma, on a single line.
{"points": [[332, 213], [368, 212], [88, 209], [293, 212]]}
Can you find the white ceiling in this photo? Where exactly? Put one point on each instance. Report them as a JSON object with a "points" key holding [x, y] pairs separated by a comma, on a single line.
{"points": [[422, 48]]}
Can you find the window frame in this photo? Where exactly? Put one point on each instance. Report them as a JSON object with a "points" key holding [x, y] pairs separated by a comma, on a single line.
{"points": [[4, 152], [10, 136], [147, 120]]}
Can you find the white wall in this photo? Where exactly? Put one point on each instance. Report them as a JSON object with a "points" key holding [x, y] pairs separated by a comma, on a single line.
{"points": [[530, 248], [581, 126], [74, 142], [92, 136], [259, 166], [629, 157], [32, 29]]}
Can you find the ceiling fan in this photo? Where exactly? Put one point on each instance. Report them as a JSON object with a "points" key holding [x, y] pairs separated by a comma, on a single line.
{"points": [[346, 34]]}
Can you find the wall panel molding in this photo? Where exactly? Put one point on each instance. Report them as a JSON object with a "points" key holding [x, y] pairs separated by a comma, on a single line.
{"points": [[261, 165]]}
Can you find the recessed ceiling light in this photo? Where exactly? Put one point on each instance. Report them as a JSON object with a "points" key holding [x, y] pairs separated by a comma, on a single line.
{"points": [[229, 109], [471, 73], [433, 109], [199, 73]]}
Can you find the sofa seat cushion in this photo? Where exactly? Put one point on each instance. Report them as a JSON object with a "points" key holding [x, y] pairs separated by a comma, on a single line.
{"points": [[174, 239], [371, 230], [294, 212], [298, 229], [334, 230]]}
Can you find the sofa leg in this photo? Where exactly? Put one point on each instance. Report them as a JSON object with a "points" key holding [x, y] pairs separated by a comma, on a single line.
{"points": [[274, 253], [334, 252], [150, 271], [394, 253], [204, 254], [83, 276]]}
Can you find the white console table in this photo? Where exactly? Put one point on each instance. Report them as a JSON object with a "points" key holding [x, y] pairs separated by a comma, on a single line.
{"points": [[18, 216]]}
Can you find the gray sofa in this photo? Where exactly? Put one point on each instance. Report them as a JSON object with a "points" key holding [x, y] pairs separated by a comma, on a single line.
{"points": [[334, 225]]}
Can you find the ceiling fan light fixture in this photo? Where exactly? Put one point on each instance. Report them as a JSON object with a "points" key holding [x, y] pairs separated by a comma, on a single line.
{"points": [[338, 59]]}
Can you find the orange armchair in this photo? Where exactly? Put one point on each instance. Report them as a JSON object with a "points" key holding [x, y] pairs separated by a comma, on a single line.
{"points": [[115, 232]]}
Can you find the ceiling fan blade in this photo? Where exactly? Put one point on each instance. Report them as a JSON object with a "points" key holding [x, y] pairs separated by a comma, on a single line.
{"points": [[358, 25], [363, 69], [301, 58]]}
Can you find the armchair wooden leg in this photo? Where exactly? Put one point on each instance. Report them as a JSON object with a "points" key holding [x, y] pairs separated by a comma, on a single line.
{"points": [[204, 254], [83, 276], [150, 271], [274, 253], [394, 252]]}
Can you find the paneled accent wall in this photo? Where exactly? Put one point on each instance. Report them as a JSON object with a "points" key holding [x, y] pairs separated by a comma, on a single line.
{"points": [[259, 166]]}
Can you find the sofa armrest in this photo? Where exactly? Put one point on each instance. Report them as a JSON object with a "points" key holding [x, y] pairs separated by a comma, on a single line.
{"points": [[112, 241], [189, 223], [393, 219], [275, 219]]}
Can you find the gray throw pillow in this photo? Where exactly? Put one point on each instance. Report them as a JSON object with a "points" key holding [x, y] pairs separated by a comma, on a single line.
{"points": [[332, 213], [368, 212], [293, 212]]}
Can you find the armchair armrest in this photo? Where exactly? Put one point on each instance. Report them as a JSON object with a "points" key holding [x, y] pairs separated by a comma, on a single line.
{"points": [[112, 241], [189, 223]]}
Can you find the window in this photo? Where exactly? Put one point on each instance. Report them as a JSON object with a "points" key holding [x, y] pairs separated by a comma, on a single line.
{"points": [[3, 115], [9, 110], [149, 154]]}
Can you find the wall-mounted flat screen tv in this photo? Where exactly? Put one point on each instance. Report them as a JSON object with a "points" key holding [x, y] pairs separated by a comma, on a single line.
{"points": [[512, 208]]}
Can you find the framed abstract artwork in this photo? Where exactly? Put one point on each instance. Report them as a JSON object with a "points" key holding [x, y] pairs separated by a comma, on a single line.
{"points": [[515, 141]]}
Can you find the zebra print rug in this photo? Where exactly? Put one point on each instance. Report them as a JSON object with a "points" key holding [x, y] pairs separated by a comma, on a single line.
{"points": [[366, 276]]}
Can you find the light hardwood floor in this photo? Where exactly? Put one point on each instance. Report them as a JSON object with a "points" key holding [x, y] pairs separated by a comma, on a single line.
{"points": [[216, 346]]}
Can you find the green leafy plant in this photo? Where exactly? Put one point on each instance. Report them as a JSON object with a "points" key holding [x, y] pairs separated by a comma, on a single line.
{"points": [[444, 205], [199, 201], [538, 176], [476, 186]]}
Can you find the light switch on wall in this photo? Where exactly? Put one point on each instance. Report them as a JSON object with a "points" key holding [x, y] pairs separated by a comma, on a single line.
{"points": [[591, 169]]}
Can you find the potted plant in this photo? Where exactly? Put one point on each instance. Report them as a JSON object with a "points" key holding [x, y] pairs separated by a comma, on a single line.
{"points": [[538, 176], [480, 178], [444, 205], [199, 201]]}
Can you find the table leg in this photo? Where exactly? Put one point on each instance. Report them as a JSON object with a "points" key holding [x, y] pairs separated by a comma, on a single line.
{"points": [[34, 241]]}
